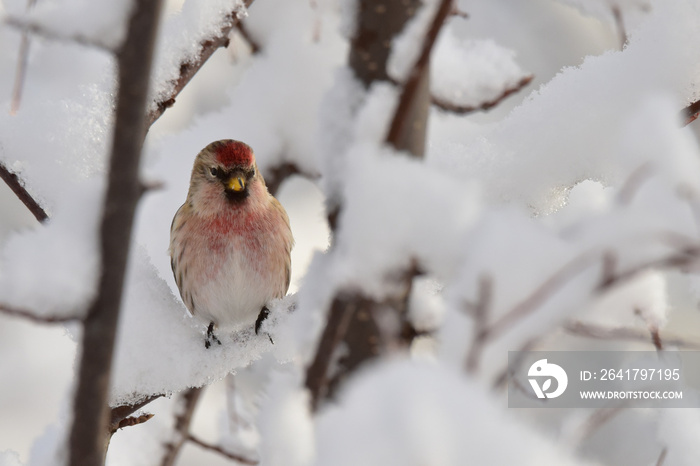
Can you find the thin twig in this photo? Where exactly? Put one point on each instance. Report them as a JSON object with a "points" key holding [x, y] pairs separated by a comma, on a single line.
{"points": [[41, 30], [17, 186], [620, 25], [662, 457], [134, 420], [480, 312], [245, 34], [600, 332], [11, 311], [221, 451], [21, 70], [465, 109]]}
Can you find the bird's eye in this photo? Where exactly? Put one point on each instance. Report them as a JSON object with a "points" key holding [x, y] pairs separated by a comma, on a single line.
{"points": [[214, 171], [252, 172]]}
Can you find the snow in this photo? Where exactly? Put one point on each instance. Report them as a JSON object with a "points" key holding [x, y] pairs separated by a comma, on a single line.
{"points": [[402, 412], [593, 164], [471, 73], [9, 458]]}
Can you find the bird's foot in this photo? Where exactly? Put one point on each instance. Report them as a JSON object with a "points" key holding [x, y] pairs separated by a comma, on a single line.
{"points": [[264, 313], [210, 338]]}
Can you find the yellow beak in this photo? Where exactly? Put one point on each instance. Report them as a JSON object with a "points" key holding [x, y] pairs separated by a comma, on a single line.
{"points": [[236, 183]]}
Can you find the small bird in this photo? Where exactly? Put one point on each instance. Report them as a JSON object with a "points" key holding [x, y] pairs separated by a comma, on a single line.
{"points": [[230, 242]]}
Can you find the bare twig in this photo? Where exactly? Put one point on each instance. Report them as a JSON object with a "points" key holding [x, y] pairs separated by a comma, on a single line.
{"points": [[479, 312], [189, 68], [600, 332], [620, 25], [598, 419], [633, 182], [89, 434], [188, 403], [459, 13], [13, 181], [245, 34], [221, 451], [25, 314], [662, 457], [407, 117], [542, 293], [464, 109], [41, 30], [276, 176], [21, 70]]}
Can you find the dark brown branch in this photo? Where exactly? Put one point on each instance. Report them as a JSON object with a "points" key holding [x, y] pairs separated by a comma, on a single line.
{"points": [[188, 400], [25, 314], [89, 434], [690, 113], [221, 451], [189, 68], [317, 375], [245, 34], [465, 109], [408, 127], [17, 187]]}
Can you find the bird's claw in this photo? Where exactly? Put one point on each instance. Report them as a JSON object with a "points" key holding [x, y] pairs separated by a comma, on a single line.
{"points": [[210, 336], [264, 313]]}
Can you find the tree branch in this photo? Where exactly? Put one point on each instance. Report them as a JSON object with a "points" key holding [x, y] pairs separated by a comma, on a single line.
{"points": [[41, 30], [600, 332], [690, 113], [11, 311], [189, 68], [408, 127], [188, 400], [465, 109], [221, 451], [90, 429], [13, 181]]}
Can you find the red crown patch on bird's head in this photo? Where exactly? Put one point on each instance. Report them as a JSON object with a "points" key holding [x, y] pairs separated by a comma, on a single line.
{"points": [[232, 153]]}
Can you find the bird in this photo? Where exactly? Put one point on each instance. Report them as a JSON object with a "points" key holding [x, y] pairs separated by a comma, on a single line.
{"points": [[230, 242]]}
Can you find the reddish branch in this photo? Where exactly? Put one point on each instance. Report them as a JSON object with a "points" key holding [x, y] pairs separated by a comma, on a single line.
{"points": [[404, 121], [190, 68], [690, 113], [221, 451], [11, 311], [465, 109], [13, 181], [120, 413]]}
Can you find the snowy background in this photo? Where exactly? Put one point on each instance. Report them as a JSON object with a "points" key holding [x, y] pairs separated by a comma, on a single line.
{"points": [[588, 162]]}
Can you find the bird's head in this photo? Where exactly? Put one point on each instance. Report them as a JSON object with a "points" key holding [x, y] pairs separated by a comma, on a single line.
{"points": [[225, 169]]}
